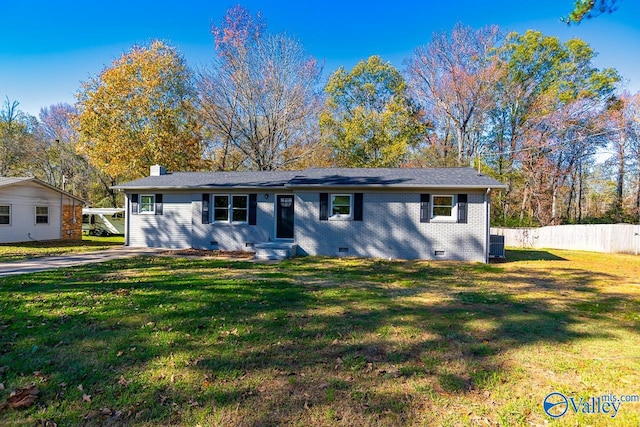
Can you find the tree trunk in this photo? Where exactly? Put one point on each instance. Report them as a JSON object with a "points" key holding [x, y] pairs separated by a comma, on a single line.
{"points": [[459, 135], [580, 192], [523, 207], [620, 183]]}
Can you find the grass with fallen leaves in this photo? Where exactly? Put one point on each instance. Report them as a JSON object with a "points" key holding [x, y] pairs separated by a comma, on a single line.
{"points": [[318, 341], [29, 250]]}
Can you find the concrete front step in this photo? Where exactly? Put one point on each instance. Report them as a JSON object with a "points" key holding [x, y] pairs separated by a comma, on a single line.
{"points": [[275, 250]]}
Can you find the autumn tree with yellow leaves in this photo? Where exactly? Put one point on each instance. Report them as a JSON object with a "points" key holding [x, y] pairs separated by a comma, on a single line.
{"points": [[369, 119], [139, 112]]}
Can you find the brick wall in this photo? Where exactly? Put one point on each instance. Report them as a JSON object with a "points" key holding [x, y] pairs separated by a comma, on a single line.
{"points": [[71, 230], [391, 228]]}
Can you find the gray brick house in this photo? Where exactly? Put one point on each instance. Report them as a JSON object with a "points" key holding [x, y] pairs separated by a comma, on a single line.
{"points": [[440, 213]]}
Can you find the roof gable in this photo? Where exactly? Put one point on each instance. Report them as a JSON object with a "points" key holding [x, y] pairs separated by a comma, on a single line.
{"points": [[9, 181]]}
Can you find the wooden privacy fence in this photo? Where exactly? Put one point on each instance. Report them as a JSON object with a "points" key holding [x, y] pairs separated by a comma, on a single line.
{"points": [[609, 238]]}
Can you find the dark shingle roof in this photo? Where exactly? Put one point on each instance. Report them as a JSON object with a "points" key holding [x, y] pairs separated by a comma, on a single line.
{"points": [[394, 177], [312, 178], [186, 180]]}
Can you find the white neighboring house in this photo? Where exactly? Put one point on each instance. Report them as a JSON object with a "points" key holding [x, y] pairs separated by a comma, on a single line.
{"points": [[32, 210]]}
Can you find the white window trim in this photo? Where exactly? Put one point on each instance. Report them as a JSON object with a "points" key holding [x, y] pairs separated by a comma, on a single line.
{"points": [[340, 217], [35, 216], [454, 209], [153, 205], [212, 209], [9, 224]]}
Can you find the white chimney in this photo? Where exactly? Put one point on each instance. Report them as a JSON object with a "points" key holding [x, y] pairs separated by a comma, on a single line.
{"points": [[157, 170]]}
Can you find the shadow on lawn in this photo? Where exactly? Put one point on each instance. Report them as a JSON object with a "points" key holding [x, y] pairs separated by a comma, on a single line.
{"points": [[514, 255], [303, 325]]}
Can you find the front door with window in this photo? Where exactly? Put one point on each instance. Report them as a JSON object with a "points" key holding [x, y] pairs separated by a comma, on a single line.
{"points": [[284, 217]]}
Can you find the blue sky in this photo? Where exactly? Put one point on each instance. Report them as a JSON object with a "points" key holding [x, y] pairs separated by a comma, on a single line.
{"points": [[48, 48]]}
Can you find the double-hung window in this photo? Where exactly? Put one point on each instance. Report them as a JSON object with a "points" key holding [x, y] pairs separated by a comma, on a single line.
{"points": [[42, 214], [5, 215], [443, 208], [230, 208], [341, 206], [147, 204]]}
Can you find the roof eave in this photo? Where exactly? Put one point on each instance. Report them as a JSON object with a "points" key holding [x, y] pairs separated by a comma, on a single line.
{"points": [[400, 187], [198, 187]]}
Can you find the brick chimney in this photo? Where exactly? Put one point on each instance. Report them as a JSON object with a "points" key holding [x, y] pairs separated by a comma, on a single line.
{"points": [[157, 170]]}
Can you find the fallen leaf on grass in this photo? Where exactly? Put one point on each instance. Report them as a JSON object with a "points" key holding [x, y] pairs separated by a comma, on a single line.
{"points": [[86, 398], [1, 386], [234, 331], [80, 388], [21, 398]]}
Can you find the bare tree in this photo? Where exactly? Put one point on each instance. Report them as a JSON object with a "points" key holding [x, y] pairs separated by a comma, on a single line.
{"points": [[259, 100], [454, 76]]}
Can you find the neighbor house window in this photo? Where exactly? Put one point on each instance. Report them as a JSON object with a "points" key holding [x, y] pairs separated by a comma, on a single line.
{"points": [[442, 207], [341, 207], [5, 215], [230, 208], [42, 214], [147, 203]]}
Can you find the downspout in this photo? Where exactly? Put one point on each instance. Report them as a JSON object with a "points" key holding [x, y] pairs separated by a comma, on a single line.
{"points": [[126, 219], [487, 213], [61, 216]]}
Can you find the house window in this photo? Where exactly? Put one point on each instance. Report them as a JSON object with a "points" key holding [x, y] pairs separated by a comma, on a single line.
{"points": [[442, 207], [221, 208], [230, 208], [42, 214], [239, 208], [341, 207], [147, 203], [5, 215]]}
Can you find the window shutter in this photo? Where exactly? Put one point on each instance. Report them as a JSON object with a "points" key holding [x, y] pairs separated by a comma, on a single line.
{"points": [[134, 204], [357, 206], [159, 204], [253, 208], [324, 206], [462, 208], [205, 208], [425, 211]]}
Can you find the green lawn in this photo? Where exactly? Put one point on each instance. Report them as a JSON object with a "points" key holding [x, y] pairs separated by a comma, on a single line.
{"points": [[29, 250], [317, 341]]}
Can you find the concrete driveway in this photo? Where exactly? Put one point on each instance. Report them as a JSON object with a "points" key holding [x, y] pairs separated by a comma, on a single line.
{"points": [[48, 263]]}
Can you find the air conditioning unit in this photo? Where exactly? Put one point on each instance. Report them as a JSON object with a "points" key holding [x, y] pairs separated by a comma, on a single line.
{"points": [[496, 246]]}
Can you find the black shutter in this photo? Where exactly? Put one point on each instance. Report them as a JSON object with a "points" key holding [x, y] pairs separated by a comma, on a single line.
{"points": [[324, 206], [462, 208], [205, 208], [253, 208], [425, 211], [159, 205], [357, 207], [134, 204]]}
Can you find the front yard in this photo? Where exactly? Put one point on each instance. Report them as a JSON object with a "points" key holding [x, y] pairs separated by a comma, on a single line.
{"points": [[30, 250], [316, 341]]}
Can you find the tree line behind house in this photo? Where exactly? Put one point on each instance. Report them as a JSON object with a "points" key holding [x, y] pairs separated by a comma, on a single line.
{"points": [[527, 109]]}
